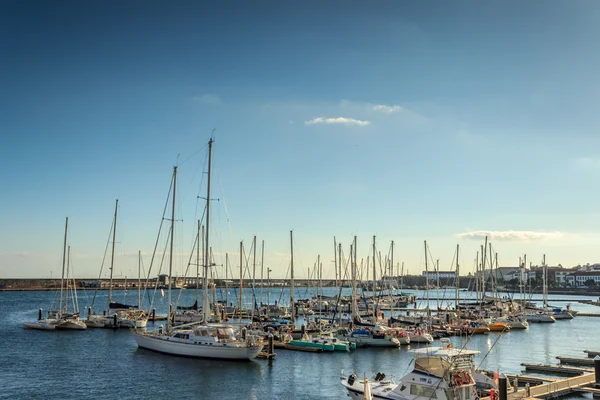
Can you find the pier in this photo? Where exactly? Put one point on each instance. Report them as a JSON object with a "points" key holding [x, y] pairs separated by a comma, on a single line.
{"points": [[587, 381]]}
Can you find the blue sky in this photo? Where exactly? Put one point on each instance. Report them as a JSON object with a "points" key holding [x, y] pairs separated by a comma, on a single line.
{"points": [[411, 121]]}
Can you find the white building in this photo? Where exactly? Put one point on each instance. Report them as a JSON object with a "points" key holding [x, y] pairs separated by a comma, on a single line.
{"points": [[579, 278]]}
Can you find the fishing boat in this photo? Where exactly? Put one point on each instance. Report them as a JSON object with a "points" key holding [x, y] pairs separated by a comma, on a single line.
{"points": [[438, 373], [204, 340]]}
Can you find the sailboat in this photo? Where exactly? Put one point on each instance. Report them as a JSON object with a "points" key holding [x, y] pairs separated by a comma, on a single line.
{"points": [[70, 321], [60, 318], [49, 323], [123, 316], [542, 315], [199, 340]]}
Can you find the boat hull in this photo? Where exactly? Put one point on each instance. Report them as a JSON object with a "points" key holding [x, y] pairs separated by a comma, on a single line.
{"points": [[43, 325], [222, 351], [72, 325]]}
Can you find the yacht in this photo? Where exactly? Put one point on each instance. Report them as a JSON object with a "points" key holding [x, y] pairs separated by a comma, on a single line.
{"points": [[438, 373], [206, 341]]}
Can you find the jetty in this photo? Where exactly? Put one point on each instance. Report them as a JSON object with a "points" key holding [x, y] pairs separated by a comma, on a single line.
{"points": [[592, 353], [556, 369], [586, 381], [587, 361]]}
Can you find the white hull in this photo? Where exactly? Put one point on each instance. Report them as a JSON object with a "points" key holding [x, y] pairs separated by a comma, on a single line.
{"points": [[541, 318], [421, 338], [161, 344], [103, 321], [42, 324], [562, 315], [71, 324]]}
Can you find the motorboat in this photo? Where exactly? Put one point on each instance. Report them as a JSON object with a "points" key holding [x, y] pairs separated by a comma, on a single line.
{"points": [[438, 373]]}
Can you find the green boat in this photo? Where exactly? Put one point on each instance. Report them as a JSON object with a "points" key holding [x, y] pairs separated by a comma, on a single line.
{"points": [[314, 343]]}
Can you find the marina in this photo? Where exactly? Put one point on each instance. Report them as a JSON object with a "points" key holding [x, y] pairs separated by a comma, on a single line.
{"points": [[296, 372]]}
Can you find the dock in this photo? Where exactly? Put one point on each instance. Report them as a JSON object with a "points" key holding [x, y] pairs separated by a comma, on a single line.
{"points": [[576, 360], [557, 369], [555, 388], [532, 380]]}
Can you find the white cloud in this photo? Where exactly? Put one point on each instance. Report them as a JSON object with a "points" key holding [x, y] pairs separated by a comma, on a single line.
{"points": [[510, 235], [386, 109], [209, 99], [338, 120]]}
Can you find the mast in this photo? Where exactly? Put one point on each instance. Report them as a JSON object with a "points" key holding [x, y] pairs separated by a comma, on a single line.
{"points": [[171, 246], [253, 276], [139, 280], [198, 240], [392, 265], [335, 262], [545, 276], [262, 269], [457, 281], [292, 275], [341, 280], [62, 278], [374, 284], [241, 278], [427, 279], [67, 284], [318, 271], [205, 306], [112, 256], [226, 278], [353, 270]]}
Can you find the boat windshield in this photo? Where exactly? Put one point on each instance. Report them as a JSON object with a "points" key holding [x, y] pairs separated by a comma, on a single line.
{"points": [[224, 333], [433, 365]]}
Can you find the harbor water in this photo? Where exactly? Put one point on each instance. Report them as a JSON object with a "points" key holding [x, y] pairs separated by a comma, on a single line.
{"points": [[107, 364]]}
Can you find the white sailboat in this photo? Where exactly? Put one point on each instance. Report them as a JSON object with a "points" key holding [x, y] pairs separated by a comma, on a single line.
{"points": [[60, 318], [123, 315], [70, 321], [542, 316], [204, 340]]}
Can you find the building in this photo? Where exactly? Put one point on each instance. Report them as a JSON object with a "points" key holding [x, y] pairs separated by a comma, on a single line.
{"points": [[577, 279], [435, 275]]}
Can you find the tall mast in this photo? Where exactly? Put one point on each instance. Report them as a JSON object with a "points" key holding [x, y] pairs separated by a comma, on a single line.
{"points": [[63, 268], [318, 273], [112, 256], [292, 275], [262, 269], [253, 275], [392, 263], [426, 278], [457, 281], [335, 262], [205, 306], [545, 276], [374, 284], [171, 245], [241, 278], [139, 279]]}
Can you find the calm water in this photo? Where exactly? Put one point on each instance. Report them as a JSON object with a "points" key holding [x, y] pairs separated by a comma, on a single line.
{"points": [[107, 364]]}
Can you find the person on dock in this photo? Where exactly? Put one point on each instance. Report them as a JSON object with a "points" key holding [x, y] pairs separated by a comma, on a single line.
{"points": [[516, 384], [527, 391]]}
